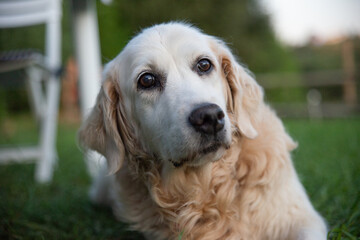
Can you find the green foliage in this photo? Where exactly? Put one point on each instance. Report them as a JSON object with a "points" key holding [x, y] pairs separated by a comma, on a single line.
{"points": [[315, 58], [114, 33], [22, 38], [327, 160], [325, 56], [242, 24]]}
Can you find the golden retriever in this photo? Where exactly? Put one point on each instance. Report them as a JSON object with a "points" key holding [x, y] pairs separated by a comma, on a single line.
{"points": [[192, 149]]}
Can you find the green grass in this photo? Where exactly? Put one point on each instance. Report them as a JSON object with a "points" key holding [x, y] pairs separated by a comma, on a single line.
{"points": [[327, 160], [328, 163], [60, 210]]}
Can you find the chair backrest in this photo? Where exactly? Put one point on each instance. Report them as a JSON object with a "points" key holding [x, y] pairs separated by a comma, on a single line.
{"points": [[18, 13], [21, 13]]}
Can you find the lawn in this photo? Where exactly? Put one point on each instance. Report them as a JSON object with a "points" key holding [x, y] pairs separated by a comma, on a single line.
{"points": [[327, 160]]}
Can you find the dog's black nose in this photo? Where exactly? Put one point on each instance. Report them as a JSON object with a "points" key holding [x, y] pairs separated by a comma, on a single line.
{"points": [[207, 119]]}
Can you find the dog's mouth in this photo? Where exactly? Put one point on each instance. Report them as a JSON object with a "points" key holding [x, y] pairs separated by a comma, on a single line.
{"points": [[212, 148], [207, 150]]}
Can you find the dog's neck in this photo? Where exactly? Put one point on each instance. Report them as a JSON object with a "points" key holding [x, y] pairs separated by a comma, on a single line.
{"points": [[182, 193]]}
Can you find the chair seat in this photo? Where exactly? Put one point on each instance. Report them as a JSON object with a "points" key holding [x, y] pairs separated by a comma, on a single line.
{"points": [[18, 59]]}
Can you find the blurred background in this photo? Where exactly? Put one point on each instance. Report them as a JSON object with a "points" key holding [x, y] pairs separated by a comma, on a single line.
{"points": [[306, 55]]}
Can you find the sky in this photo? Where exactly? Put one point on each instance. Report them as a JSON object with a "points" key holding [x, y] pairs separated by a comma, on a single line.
{"points": [[295, 21]]}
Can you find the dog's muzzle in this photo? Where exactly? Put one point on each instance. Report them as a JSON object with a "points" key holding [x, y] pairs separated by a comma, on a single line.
{"points": [[208, 120]]}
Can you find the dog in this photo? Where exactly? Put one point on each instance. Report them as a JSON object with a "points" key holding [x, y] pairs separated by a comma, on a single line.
{"points": [[192, 150]]}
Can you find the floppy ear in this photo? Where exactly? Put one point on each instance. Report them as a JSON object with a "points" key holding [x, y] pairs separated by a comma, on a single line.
{"points": [[243, 94], [106, 126]]}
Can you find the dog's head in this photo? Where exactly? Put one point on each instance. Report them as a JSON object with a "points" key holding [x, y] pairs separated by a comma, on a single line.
{"points": [[173, 93]]}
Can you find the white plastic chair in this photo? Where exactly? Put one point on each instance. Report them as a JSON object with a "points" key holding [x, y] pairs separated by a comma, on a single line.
{"points": [[20, 13]]}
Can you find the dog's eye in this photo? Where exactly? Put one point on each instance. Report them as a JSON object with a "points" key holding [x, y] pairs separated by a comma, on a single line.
{"points": [[147, 80], [204, 66]]}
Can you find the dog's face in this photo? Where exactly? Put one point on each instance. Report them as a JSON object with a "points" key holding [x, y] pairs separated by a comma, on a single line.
{"points": [[173, 92], [175, 95]]}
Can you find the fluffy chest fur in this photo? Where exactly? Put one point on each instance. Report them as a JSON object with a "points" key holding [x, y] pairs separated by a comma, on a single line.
{"points": [[223, 200]]}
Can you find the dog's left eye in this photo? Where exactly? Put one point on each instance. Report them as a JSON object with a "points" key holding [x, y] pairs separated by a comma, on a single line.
{"points": [[146, 81], [204, 65]]}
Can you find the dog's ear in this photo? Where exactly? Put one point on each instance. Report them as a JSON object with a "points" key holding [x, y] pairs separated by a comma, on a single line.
{"points": [[105, 128], [243, 94]]}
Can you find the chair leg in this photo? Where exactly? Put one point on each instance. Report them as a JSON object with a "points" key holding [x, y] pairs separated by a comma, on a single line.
{"points": [[36, 97], [89, 60], [47, 161]]}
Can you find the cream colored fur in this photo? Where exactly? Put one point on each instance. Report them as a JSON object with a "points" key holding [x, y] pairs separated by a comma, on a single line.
{"points": [[247, 189]]}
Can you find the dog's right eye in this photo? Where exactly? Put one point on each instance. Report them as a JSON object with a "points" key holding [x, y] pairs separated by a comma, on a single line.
{"points": [[146, 81], [203, 66]]}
